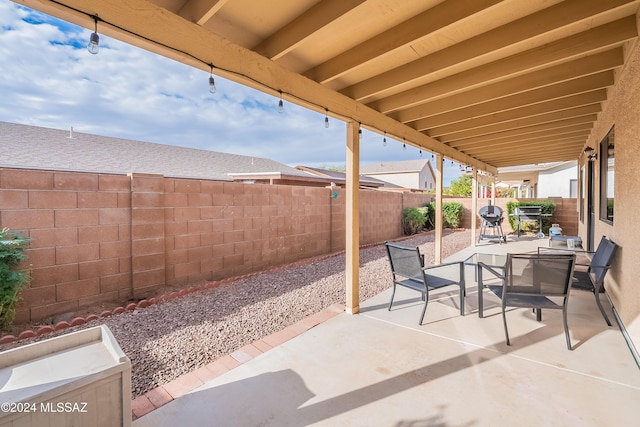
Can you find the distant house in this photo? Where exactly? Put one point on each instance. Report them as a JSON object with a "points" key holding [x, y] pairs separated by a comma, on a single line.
{"points": [[558, 179], [340, 178], [32, 147], [411, 174]]}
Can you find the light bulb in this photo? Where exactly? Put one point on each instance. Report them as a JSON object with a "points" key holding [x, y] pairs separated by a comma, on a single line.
{"points": [[404, 147], [326, 119], [384, 141], [280, 103], [212, 84], [420, 153], [94, 44]]}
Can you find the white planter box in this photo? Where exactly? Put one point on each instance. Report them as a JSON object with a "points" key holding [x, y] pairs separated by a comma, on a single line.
{"points": [[80, 379]]}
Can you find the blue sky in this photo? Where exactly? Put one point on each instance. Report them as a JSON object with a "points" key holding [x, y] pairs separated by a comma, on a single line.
{"points": [[48, 78]]}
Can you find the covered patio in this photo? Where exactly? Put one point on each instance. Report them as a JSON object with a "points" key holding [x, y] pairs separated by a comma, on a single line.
{"points": [[381, 368], [486, 84]]}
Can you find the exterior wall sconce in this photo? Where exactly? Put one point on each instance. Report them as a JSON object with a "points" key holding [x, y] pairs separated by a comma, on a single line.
{"points": [[591, 154]]}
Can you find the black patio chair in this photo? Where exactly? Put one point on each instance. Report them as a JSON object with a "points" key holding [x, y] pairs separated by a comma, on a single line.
{"points": [[537, 281], [408, 270], [592, 278]]}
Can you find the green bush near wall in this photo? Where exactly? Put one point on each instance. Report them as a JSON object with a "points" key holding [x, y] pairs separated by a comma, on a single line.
{"points": [[451, 214], [533, 226], [413, 220], [12, 280]]}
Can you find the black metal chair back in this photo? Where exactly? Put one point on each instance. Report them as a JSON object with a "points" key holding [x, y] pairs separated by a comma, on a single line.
{"points": [[538, 281], [408, 270]]}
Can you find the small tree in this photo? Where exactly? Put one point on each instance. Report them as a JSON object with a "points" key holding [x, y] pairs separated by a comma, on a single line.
{"points": [[460, 187]]}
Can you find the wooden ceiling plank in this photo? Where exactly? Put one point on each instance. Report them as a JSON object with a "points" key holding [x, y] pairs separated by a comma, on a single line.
{"points": [[536, 158], [397, 37], [552, 18], [535, 151], [608, 35], [582, 129], [524, 126], [552, 142], [200, 11], [564, 72], [295, 32], [587, 99]]}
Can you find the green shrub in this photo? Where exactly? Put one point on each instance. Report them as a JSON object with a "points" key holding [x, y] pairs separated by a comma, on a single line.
{"points": [[412, 220], [451, 214], [12, 280], [430, 214], [533, 226]]}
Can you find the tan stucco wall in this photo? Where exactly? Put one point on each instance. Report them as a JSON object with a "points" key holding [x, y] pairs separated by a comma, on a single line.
{"points": [[623, 111]]}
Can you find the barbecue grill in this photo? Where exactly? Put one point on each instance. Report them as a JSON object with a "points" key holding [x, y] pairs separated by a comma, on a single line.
{"points": [[530, 213], [491, 219]]}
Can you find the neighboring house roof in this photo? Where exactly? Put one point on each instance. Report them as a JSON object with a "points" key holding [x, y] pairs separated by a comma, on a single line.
{"points": [[34, 147], [341, 177], [407, 166]]}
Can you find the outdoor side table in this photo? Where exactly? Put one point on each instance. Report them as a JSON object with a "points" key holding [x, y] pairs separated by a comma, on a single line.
{"points": [[562, 241], [492, 260]]}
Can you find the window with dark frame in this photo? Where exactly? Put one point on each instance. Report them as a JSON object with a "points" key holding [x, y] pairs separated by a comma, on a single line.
{"points": [[607, 175]]}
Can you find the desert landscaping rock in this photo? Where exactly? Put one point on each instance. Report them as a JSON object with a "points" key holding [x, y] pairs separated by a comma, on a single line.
{"points": [[178, 335]]}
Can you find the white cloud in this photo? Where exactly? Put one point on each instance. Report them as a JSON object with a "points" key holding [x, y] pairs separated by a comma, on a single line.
{"points": [[48, 78]]}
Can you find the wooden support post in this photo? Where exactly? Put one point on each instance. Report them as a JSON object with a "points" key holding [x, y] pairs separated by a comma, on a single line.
{"points": [[352, 250], [474, 205], [493, 191], [438, 214]]}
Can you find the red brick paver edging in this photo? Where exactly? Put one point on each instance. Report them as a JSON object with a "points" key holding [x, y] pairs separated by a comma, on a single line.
{"points": [[161, 395]]}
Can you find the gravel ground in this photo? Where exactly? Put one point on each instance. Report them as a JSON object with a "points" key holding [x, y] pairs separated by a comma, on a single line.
{"points": [[169, 339]]}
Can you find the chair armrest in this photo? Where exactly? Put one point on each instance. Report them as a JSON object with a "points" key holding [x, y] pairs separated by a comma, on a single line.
{"points": [[606, 267], [444, 264], [447, 264], [576, 251], [491, 270]]}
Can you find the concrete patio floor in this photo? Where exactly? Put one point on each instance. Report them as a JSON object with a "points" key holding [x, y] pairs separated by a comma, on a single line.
{"points": [[380, 368]]}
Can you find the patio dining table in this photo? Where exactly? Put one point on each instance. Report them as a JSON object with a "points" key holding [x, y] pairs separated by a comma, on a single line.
{"points": [[491, 260]]}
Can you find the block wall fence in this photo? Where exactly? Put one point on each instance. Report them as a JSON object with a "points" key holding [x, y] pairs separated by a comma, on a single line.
{"points": [[106, 237]]}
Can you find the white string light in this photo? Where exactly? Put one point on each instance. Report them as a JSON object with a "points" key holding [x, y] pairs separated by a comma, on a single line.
{"points": [[93, 47], [94, 41], [212, 82]]}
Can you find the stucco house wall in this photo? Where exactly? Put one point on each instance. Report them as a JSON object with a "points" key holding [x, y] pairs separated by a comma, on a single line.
{"points": [[623, 111], [556, 182], [405, 179], [413, 174]]}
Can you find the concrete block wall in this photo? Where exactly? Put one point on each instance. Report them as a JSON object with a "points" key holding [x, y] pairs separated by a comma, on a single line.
{"points": [[216, 230], [101, 237], [80, 229]]}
